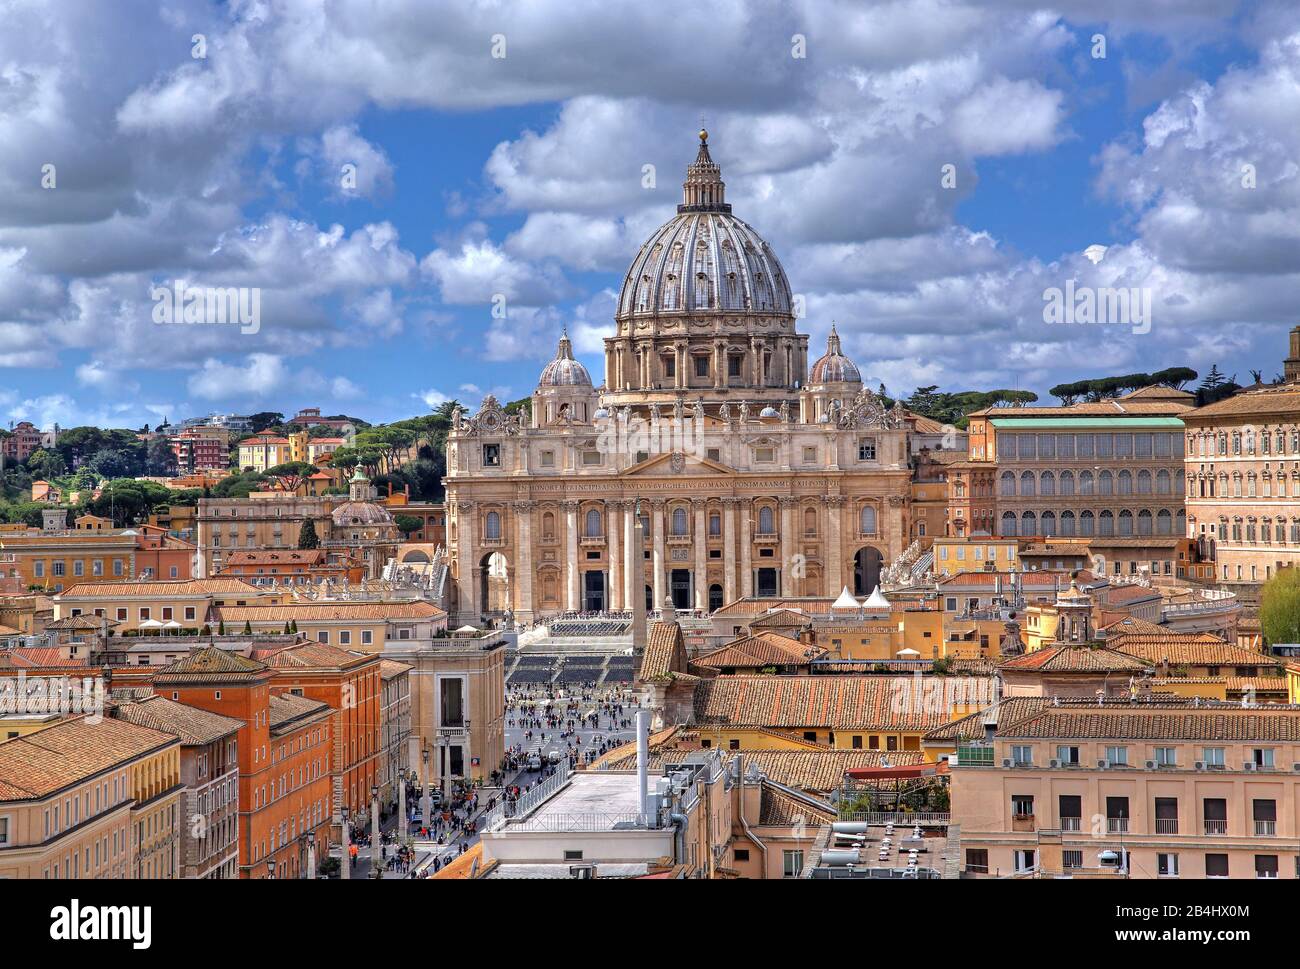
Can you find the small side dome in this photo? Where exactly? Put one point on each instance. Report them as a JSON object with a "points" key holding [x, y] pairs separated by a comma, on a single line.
{"points": [[769, 411], [564, 371], [834, 367]]}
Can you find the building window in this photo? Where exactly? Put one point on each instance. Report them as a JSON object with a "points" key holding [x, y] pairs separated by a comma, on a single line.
{"points": [[867, 449], [491, 455], [867, 520], [1167, 865], [1216, 866], [792, 863], [977, 861]]}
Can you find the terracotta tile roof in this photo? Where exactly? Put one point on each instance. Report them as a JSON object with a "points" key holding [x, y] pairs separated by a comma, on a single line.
{"points": [[193, 725], [81, 623], [460, 869], [1283, 401], [1131, 624], [1197, 649], [971, 727], [330, 612], [836, 702], [1260, 684], [208, 664], [808, 770], [753, 607], [307, 556], [389, 668], [71, 751], [1053, 548], [781, 619], [315, 655], [1103, 408], [1164, 720], [785, 808], [665, 654], [286, 710], [1066, 658], [759, 650], [157, 590], [40, 657]]}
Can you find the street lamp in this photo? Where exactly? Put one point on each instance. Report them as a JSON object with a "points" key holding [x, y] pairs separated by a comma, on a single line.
{"points": [[311, 854], [270, 868], [345, 865], [424, 796]]}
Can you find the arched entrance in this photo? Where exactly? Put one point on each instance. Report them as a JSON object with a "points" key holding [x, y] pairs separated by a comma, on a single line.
{"points": [[866, 570], [715, 597], [494, 578]]}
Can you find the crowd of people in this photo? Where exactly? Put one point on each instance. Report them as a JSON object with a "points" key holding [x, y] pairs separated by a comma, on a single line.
{"points": [[551, 718]]}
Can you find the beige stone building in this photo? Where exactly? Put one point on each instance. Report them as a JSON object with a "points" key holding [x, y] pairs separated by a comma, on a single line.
{"points": [[1243, 480], [1147, 789], [456, 702], [753, 473], [347, 528]]}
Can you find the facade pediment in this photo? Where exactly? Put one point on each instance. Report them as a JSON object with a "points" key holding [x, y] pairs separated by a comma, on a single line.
{"points": [[680, 465]]}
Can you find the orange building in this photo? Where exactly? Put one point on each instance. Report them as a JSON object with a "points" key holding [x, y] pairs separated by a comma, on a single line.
{"points": [[162, 556], [293, 567], [352, 684], [285, 756]]}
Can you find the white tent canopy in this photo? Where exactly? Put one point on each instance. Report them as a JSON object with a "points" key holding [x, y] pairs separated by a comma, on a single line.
{"points": [[846, 601], [877, 600]]}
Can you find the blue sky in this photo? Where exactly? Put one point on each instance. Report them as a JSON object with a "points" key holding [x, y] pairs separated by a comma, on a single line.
{"points": [[521, 177]]}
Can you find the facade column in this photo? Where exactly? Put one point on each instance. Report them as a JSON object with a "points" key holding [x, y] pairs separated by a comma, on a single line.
{"points": [[746, 549], [657, 523], [465, 560], [612, 525], [719, 365], [633, 560], [701, 540], [789, 546], [523, 591], [571, 541], [729, 549], [834, 545]]}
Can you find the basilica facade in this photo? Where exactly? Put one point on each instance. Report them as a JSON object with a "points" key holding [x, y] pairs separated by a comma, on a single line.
{"points": [[712, 464]]}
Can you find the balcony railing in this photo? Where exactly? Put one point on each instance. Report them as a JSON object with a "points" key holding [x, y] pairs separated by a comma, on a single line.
{"points": [[1265, 829], [1071, 824], [1166, 825], [1117, 825], [1216, 827]]}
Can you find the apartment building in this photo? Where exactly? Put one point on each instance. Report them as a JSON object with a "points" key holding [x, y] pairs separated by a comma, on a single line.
{"points": [[366, 626], [209, 825], [90, 798], [137, 607], [396, 719], [201, 449], [23, 438], [1141, 788], [351, 684], [285, 750], [1243, 480], [263, 451]]}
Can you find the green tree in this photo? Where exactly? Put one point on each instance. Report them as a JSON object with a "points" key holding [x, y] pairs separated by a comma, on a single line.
{"points": [[307, 537], [248, 628], [406, 524], [1279, 607]]}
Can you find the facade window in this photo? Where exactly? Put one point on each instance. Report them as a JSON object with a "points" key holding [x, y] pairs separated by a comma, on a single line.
{"points": [[867, 520], [792, 863], [867, 449]]}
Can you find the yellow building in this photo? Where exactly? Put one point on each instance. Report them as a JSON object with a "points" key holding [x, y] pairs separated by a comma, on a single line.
{"points": [[138, 606], [977, 554], [74, 804], [364, 626], [263, 451]]}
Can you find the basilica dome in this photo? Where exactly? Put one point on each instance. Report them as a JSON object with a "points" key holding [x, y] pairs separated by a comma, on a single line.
{"points": [[834, 367], [705, 259], [564, 371]]}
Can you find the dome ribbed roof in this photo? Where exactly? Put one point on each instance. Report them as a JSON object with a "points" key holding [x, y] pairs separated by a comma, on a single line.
{"points": [[705, 258], [564, 371], [361, 513], [834, 367]]}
